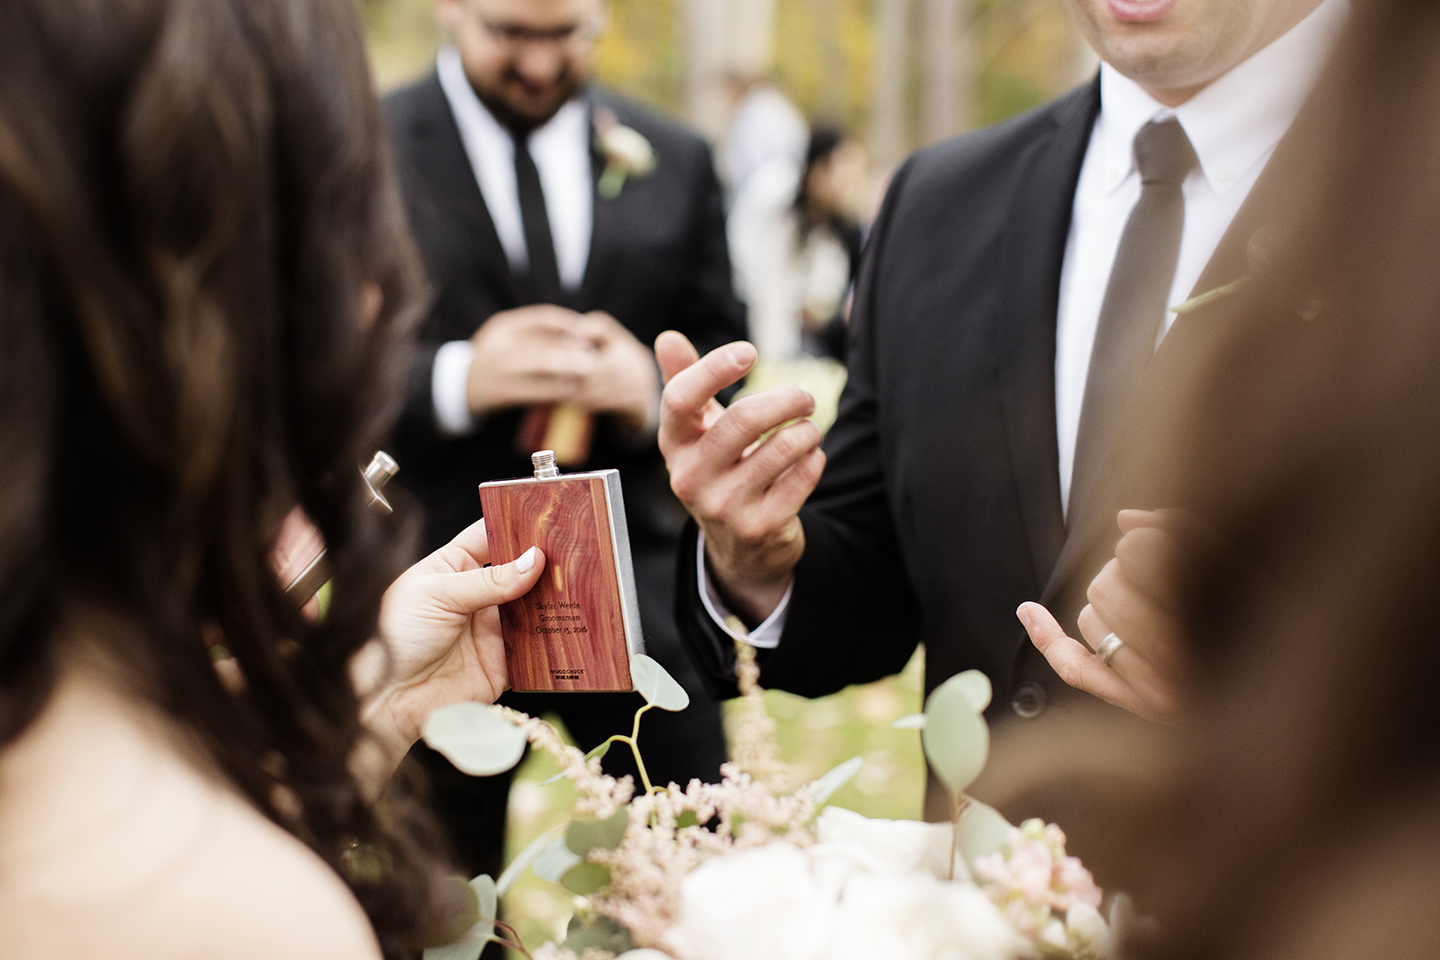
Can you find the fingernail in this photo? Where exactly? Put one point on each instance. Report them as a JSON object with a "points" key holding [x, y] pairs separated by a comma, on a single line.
{"points": [[1023, 612], [526, 561], [743, 354]]}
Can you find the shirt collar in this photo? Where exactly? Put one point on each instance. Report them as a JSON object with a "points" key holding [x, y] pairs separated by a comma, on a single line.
{"points": [[1236, 121], [475, 119]]}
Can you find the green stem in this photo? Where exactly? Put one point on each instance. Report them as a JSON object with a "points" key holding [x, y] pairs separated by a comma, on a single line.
{"points": [[633, 740]]}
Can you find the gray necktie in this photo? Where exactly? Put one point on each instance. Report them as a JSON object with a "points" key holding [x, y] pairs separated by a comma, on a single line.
{"points": [[1135, 300]]}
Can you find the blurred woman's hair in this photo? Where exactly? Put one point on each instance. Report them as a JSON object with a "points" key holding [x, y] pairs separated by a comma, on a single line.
{"points": [[1297, 811], [824, 141], [205, 291]]}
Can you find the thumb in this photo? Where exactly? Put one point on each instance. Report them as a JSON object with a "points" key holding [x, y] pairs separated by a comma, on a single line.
{"points": [[674, 352], [471, 591]]}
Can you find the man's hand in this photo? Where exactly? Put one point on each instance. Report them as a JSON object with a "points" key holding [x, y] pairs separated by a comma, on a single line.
{"points": [[1133, 597], [439, 640], [623, 381], [530, 355], [746, 495]]}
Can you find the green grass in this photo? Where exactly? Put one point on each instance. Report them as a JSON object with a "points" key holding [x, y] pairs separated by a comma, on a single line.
{"points": [[813, 736]]}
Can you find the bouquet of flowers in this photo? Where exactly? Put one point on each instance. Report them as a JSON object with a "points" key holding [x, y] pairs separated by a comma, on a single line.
{"points": [[749, 870]]}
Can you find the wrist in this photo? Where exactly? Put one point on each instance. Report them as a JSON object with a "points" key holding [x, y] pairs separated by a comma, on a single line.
{"points": [[753, 582]]}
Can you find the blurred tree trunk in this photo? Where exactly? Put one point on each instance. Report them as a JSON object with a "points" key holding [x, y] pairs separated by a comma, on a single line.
{"points": [[948, 93], [724, 38], [705, 96], [834, 69], [888, 140]]}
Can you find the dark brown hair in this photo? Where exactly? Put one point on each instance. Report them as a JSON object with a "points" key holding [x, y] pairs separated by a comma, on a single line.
{"points": [[1297, 811], [194, 195]]}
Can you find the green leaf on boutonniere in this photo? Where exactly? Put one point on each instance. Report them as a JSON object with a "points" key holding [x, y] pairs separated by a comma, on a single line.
{"points": [[612, 181], [1207, 298], [626, 151]]}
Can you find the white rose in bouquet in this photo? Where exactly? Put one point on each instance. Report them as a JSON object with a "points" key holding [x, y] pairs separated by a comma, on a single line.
{"points": [[760, 904], [870, 893]]}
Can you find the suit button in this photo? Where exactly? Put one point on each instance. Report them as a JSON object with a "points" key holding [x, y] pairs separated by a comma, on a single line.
{"points": [[1028, 700]]}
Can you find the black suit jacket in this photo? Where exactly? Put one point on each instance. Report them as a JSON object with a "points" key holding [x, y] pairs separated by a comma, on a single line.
{"points": [[939, 511], [658, 260]]}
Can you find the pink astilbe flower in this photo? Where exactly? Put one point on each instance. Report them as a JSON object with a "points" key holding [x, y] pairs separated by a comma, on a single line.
{"points": [[598, 794], [1036, 880], [672, 831]]}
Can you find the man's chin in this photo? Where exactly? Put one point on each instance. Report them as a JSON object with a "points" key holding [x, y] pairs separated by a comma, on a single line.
{"points": [[528, 112]]}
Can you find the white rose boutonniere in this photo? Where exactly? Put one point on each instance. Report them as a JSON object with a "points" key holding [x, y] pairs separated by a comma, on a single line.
{"points": [[626, 151]]}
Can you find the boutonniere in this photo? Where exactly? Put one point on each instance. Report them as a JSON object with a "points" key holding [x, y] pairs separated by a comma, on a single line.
{"points": [[1263, 254], [1208, 297], [626, 152]]}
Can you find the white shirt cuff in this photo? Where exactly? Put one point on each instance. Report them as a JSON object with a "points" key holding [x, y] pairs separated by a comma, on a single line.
{"points": [[449, 380], [766, 636]]}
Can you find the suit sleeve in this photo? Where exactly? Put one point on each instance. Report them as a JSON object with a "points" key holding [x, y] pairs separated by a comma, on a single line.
{"points": [[853, 617]]}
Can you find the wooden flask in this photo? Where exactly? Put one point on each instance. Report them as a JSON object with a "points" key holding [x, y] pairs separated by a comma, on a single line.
{"points": [[580, 625]]}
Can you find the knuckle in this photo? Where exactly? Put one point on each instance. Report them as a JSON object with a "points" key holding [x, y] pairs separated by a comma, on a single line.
{"points": [[672, 403], [1101, 590], [683, 487]]}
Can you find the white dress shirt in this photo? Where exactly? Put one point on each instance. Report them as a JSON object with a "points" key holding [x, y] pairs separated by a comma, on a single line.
{"points": [[561, 151], [1234, 124]]}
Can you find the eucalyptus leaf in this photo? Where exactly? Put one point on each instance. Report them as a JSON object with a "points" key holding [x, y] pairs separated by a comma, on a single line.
{"points": [[600, 933], [555, 860], [585, 878], [459, 906], [983, 830], [469, 946], [955, 738], [976, 687], [687, 818], [526, 857], [599, 752], [475, 739], [826, 786], [915, 721], [582, 836], [489, 896], [656, 685]]}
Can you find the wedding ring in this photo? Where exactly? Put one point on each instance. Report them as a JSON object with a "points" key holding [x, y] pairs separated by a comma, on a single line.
{"points": [[1108, 646]]}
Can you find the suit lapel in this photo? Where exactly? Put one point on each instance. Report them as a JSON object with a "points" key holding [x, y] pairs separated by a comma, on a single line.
{"points": [[604, 229], [439, 151], [1032, 253]]}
